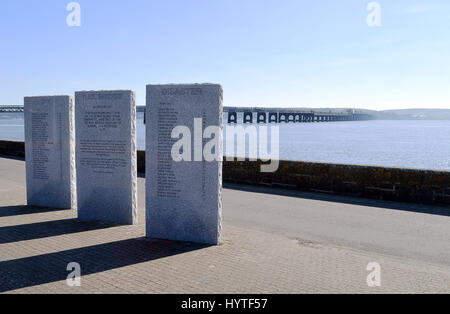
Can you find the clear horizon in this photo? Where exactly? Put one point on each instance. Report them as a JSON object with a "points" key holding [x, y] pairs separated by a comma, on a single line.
{"points": [[264, 53]]}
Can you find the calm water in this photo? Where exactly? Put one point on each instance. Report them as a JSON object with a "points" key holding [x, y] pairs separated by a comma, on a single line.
{"points": [[412, 144]]}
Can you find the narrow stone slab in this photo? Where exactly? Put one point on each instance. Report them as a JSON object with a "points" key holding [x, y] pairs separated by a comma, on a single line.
{"points": [[106, 156], [50, 151], [184, 195]]}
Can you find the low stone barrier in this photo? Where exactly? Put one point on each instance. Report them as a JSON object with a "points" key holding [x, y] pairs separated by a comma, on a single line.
{"points": [[396, 184], [141, 161], [10, 148]]}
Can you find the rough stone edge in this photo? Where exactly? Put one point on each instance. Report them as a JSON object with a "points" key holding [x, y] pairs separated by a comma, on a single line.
{"points": [[26, 152], [73, 171], [133, 147], [220, 164], [147, 161]]}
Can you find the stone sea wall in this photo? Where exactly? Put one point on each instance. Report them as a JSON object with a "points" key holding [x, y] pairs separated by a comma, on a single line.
{"points": [[14, 149], [396, 184]]}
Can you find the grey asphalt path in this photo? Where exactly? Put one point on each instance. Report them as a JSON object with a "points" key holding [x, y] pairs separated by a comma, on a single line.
{"points": [[410, 231]]}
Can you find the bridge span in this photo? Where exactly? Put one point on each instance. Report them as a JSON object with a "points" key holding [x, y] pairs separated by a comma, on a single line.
{"points": [[289, 115], [11, 109]]}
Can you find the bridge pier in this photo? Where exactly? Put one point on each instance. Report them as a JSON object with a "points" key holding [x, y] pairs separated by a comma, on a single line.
{"points": [[248, 117], [282, 118], [273, 117], [232, 117], [262, 117]]}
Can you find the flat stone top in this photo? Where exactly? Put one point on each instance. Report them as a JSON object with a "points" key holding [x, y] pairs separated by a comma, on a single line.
{"points": [[104, 95], [44, 99], [47, 96], [105, 91], [182, 85], [196, 94], [185, 89]]}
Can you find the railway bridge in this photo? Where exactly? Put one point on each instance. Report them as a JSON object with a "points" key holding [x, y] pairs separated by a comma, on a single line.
{"points": [[11, 109], [290, 115]]}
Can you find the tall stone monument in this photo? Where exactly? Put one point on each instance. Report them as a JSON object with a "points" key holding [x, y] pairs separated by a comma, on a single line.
{"points": [[50, 151], [106, 156], [184, 162]]}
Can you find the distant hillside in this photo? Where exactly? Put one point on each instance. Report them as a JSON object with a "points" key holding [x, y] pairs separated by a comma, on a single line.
{"points": [[399, 114], [415, 114]]}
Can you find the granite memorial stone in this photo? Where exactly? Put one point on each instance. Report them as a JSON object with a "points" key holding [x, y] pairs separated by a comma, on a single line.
{"points": [[50, 151], [184, 162], [106, 156]]}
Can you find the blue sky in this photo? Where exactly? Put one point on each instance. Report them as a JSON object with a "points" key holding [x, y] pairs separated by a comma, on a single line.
{"points": [[264, 52]]}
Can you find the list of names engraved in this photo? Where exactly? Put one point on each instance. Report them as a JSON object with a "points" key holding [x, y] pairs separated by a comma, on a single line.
{"points": [[167, 181], [40, 138]]}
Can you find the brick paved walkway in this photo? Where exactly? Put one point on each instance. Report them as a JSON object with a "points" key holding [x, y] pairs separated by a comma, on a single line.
{"points": [[36, 246]]}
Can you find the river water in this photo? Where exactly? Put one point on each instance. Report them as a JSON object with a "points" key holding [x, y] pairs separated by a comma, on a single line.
{"points": [[411, 144]]}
